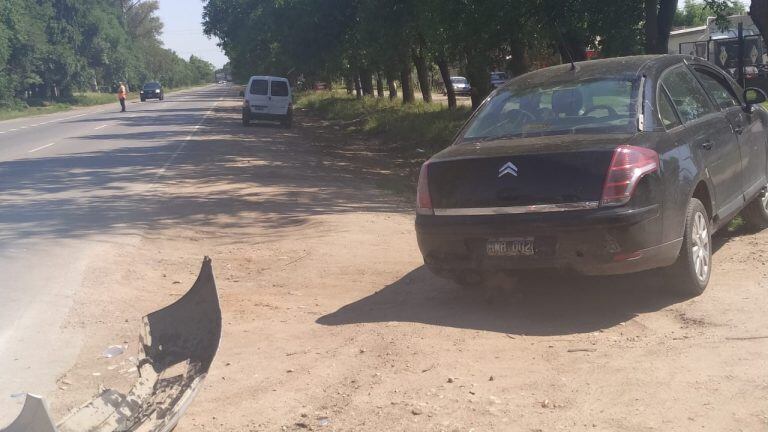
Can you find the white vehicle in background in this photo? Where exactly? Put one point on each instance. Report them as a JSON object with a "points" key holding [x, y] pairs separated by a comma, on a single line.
{"points": [[498, 79], [268, 98]]}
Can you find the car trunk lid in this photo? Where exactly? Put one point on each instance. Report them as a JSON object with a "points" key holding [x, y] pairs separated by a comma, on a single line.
{"points": [[538, 171]]}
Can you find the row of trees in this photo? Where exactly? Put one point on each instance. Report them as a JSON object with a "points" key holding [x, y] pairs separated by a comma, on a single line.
{"points": [[377, 41], [52, 48], [693, 13]]}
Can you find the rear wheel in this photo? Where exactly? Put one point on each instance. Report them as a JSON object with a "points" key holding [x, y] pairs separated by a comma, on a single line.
{"points": [[755, 214], [287, 121], [691, 272]]}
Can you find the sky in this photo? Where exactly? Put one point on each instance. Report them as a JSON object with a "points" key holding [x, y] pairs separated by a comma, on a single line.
{"points": [[183, 31]]}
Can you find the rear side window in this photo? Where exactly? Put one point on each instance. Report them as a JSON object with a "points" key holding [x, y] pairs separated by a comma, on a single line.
{"points": [[718, 88], [279, 88], [259, 87], [666, 112], [687, 95]]}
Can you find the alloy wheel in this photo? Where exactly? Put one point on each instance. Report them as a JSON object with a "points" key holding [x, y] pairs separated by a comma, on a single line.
{"points": [[700, 248]]}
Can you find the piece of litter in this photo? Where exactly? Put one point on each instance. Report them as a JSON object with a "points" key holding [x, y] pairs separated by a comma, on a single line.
{"points": [[323, 421], [113, 351], [96, 374], [17, 395], [570, 350], [111, 367]]}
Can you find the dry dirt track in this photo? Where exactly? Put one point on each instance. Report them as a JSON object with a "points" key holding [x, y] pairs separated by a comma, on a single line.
{"points": [[332, 323]]}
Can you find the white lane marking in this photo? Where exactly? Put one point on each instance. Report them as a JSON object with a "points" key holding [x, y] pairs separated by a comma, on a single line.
{"points": [[189, 137], [41, 147], [100, 127]]}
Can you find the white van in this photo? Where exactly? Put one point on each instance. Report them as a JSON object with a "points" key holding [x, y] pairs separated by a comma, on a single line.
{"points": [[268, 98]]}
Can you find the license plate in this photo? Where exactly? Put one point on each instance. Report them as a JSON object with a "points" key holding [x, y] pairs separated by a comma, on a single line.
{"points": [[514, 246], [259, 107]]}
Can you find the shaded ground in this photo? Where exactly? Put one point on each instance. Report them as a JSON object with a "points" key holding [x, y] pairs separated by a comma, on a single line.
{"points": [[332, 323]]}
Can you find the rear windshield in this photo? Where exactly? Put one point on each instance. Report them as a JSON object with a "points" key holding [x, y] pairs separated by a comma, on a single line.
{"points": [[279, 88], [151, 86], [259, 87], [593, 106]]}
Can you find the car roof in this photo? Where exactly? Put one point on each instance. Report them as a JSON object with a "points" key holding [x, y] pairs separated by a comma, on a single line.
{"points": [[630, 68], [269, 77]]}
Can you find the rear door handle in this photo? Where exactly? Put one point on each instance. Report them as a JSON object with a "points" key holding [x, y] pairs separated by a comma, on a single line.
{"points": [[706, 145]]}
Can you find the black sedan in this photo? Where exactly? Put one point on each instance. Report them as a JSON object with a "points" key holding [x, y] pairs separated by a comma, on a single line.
{"points": [[151, 90], [605, 167]]}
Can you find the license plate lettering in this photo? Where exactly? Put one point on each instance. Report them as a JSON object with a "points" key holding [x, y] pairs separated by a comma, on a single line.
{"points": [[522, 246]]}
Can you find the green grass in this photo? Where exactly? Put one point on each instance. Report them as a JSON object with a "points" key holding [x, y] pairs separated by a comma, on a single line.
{"points": [[8, 114], [429, 127]]}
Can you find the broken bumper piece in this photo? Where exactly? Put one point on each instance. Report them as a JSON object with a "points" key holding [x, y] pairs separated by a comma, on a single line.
{"points": [[178, 344]]}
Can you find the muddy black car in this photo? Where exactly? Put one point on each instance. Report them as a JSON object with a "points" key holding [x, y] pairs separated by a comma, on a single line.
{"points": [[606, 167], [152, 90]]}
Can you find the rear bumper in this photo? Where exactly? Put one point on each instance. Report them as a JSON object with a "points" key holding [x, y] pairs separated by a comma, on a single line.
{"points": [[250, 114], [599, 241]]}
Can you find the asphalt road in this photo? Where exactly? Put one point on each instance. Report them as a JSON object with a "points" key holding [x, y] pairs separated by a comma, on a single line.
{"points": [[71, 183]]}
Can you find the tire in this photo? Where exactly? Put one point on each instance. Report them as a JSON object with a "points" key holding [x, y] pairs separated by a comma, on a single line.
{"points": [[755, 214], [287, 121], [690, 273]]}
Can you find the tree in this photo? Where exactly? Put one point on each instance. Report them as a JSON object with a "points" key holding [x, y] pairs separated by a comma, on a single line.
{"points": [[50, 49], [658, 23], [758, 11], [696, 13]]}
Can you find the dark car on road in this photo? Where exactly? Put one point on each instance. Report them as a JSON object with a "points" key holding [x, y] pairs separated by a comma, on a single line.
{"points": [[605, 167], [151, 90]]}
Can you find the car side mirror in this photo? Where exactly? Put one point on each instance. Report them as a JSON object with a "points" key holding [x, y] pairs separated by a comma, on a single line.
{"points": [[242, 93], [754, 96]]}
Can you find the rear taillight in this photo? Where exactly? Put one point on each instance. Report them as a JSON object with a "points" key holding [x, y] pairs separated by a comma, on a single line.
{"points": [[628, 166], [423, 199]]}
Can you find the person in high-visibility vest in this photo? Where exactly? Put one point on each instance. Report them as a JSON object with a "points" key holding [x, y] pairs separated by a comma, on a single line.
{"points": [[121, 95]]}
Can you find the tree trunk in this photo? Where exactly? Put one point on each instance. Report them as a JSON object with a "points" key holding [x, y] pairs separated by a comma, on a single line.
{"points": [[479, 77], [758, 10], [379, 85], [422, 73], [445, 74], [519, 58], [658, 23], [407, 84], [358, 89], [366, 78], [391, 86]]}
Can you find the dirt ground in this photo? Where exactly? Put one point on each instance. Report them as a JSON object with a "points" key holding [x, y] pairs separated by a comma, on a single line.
{"points": [[332, 323]]}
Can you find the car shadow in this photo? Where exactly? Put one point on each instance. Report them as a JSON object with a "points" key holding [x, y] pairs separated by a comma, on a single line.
{"points": [[537, 304], [540, 305]]}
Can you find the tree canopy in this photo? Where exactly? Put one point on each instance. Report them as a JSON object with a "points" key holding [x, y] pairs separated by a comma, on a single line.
{"points": [[52, 48], [359, 39]]}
